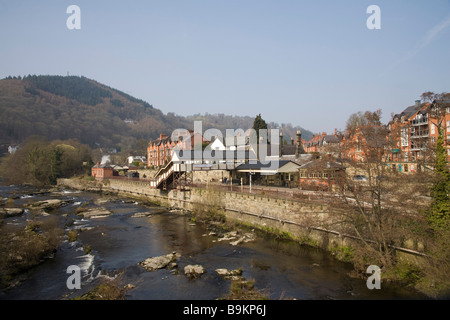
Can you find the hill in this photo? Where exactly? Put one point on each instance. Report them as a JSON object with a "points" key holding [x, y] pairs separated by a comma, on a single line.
{"points": [[72, 107]]}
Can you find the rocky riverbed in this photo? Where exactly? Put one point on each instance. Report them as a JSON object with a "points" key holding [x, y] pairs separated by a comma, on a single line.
{"points": [[164, 255]]}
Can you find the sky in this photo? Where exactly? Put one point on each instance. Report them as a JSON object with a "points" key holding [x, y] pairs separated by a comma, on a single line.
{"points": [[309, 63]]}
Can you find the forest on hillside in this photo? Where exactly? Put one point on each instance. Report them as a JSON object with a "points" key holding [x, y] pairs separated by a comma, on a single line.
{"points": [[72, 107]]}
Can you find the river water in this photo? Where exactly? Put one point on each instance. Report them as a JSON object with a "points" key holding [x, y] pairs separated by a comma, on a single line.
{"points": [[282, 269]]}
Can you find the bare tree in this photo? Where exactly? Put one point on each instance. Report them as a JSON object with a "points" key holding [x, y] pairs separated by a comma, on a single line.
{"points": [[377, 201]]}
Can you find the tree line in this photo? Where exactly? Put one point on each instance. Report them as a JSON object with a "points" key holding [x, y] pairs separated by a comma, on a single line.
{"points": [[41, 162]]}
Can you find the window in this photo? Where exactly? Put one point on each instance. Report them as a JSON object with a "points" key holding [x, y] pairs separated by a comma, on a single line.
{"points": [[448, 126], [433, 130], [404, 137]]}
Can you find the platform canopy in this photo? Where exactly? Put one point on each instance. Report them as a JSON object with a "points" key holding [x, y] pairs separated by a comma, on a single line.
{"points": [[272, 167]]}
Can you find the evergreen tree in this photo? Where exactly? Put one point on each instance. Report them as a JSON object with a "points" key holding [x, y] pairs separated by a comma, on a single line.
{"points": [[258, 124], [439, 217]]}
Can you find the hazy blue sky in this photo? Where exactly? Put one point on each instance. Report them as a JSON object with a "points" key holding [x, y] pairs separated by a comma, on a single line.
{"points": [[309, 63]]}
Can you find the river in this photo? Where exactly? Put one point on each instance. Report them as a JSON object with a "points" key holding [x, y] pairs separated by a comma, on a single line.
{"points": [[281, 268]]}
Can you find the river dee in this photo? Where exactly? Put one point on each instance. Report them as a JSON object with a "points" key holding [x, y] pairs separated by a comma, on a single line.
{"points": [[282, 269]]}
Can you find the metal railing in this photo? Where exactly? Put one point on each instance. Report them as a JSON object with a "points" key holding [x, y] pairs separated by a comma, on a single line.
{"points": [[418, 122]]}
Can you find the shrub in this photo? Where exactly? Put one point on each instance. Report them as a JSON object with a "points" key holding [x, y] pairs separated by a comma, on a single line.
{"points": [[26, 248], [72, 235], [245, 290]]}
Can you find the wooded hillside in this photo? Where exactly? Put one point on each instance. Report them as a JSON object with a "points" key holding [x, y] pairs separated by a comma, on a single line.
{"points": [[72, 107]]}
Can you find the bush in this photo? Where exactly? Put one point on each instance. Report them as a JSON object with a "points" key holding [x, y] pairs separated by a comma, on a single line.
{"points": [[244, 289], [87, 249], [106, 290], [26, 248], [72, 235]]}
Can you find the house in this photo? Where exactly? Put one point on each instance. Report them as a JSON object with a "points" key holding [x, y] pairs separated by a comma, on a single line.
{"points": [[320, 174], [282, 173], [12, 149], [323, 143], [226, 159], [137, 159], [160, 151], [289, 152], [414, 133], [102, 171], [238, 140]]}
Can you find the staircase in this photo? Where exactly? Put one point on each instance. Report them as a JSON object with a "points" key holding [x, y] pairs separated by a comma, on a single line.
{"points": [[166, 176]]}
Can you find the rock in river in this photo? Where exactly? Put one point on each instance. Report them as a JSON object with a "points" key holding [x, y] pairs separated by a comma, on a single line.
{"points": [[230, 274], [194, 271], [141, 214], [155, 263], [49, 204], [11, 212], [95, 213]]}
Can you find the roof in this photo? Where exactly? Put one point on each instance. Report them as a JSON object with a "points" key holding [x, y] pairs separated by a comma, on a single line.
{"points": [[261, 165], [411, 110], [270, 167], [288, 149], [321, 164], [300, 159], [104, 166], [200, 155], [331, 139]]}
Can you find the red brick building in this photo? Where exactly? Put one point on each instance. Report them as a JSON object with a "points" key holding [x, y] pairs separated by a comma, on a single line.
{"points": [[320, 174], [319, 143], [102, 171], [415, 133], [159, 151]]}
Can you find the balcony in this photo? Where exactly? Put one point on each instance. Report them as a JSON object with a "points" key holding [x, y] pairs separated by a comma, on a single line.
{"points": [[419, 122], [420, 134]]}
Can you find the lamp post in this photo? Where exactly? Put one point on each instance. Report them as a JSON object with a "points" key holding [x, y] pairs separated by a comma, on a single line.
{"points": [[250, 176]]}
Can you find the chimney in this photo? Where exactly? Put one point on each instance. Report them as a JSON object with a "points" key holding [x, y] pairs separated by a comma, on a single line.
{"points": [[299, 143], [417, 103], [281, 143], [292, 140]]}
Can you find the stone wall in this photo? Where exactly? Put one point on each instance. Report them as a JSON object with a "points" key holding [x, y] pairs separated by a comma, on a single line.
{"points": [[293, 218], [210, 176]]}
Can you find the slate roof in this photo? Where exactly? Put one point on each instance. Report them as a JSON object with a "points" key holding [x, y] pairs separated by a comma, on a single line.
{"points": [[259, 165], [103, 166], [331, 139], [321, 164], [215, 155]]}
